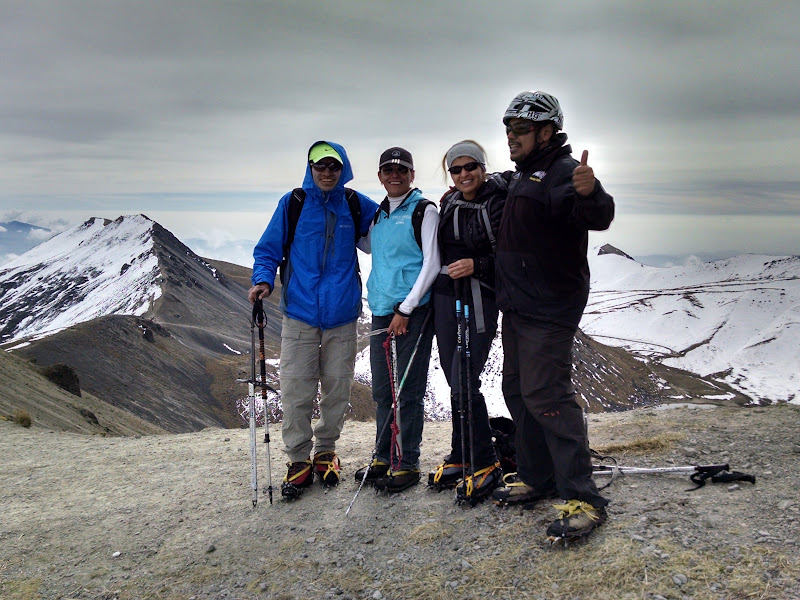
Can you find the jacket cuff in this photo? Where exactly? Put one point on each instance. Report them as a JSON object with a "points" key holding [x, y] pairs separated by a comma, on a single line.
{"points": [[397, 311]]}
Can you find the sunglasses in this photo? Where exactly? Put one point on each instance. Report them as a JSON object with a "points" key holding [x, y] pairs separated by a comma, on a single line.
{"points": [[520, 128], [470, 166], [333, 167], [389, 169]]}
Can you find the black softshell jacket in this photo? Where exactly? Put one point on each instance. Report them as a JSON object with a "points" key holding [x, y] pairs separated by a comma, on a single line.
{"points": [[541, 267]]}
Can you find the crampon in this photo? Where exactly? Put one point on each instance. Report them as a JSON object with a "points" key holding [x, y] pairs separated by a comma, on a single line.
{"points": [[576, 519]]}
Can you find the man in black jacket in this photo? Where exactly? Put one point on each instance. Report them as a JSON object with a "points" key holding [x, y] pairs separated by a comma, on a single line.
{"points": [[542, 279]]}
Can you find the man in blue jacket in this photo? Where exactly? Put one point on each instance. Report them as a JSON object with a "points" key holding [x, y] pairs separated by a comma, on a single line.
{"points": [[321, 302]]}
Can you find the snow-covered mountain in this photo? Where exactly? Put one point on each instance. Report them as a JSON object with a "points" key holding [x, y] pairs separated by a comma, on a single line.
{"points": [[735, 320], [98, 268], [734, 324], [155, 329]]}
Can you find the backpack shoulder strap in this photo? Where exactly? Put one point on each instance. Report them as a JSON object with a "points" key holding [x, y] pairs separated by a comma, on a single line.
{"points": [[383, 208], [295, 208], [354, 203], [417, 217], [483, 211]]}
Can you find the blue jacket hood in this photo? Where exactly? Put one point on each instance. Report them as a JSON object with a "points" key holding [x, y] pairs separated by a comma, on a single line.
{"points": [[322, 287], [347, 172]]}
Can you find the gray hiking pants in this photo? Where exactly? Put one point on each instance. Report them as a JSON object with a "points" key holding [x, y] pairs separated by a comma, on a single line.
{"points": [[313, 358]]}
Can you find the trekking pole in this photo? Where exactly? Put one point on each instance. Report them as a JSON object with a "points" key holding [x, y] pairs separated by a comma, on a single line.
{"points": [[699, 473], [389, 416], [397, 436], [458, 286], [261, 320], [373, 333], [468, 376], [251, 389]]}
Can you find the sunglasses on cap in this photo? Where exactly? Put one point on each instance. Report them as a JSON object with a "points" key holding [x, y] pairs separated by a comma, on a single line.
{"points": [[470, 166], [389, 169], [520, 128], [332, 166]]}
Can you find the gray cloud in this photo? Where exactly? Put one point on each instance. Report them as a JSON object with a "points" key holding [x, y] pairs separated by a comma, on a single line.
{"points": [[101, 99]]}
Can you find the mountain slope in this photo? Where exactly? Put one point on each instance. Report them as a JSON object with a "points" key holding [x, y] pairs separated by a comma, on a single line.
{"points": [[26, 389], [606, 378], [148, 325], [155, 330]]}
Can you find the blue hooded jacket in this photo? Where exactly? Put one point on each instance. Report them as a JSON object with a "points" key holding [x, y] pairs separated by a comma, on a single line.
{"points": [[322, 285]]}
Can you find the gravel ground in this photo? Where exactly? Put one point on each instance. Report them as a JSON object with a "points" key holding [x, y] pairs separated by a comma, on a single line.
{"points": [[170, 516]]}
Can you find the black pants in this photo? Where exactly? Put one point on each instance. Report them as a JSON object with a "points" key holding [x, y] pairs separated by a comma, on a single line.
{"points": [[551, 440], [480, 343], [411, 404]]}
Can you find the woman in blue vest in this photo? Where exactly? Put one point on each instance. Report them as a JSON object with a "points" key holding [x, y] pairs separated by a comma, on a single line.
{"points": [[405, 261], [470, 218]]}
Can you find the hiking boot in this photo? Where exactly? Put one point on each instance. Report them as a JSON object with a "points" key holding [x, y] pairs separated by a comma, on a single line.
{"points": [[446, 475], [299, 476], [517, 492], [326, 464], [477, 487], [575, 520], [377, 469], [397, 481]]}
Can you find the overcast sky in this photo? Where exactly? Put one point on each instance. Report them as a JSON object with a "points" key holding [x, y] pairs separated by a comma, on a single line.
{"points": [[199, 113]]}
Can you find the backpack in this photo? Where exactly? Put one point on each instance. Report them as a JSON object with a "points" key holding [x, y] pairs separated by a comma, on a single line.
{"points": [[296, 207], [448, 203], [416, 217], [503, 431]]}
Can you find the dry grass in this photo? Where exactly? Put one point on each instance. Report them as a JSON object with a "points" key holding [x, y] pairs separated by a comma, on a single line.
{"points": [[643, 445], [615, 569], [21, 589], [609, 564], [22, 417], [429, 532]]}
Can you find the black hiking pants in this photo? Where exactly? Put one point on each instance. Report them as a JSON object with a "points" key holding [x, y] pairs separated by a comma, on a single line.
{"points": [[411, 404], [480, 343], [551, 440]]}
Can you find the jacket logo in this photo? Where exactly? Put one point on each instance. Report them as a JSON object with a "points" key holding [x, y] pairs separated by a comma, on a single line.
{"points": [[537, 176]]}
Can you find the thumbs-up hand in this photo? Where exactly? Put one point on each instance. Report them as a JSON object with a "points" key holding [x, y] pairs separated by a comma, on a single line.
{"points": [[583, 176]]}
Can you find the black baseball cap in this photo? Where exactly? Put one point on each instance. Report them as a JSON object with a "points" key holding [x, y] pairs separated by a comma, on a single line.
{"points": [[397, 156]]}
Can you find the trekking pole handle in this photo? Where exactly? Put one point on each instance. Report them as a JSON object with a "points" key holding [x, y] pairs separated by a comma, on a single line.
{"points": [[259, 316]]}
